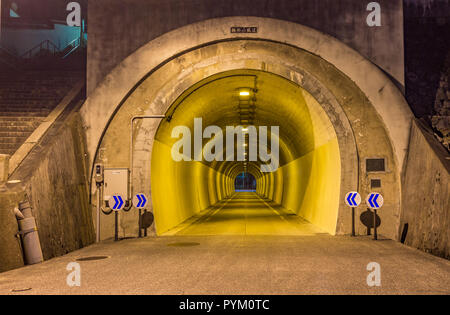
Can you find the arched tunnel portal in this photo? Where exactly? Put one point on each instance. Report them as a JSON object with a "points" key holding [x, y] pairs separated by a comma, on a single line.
{"points": [[306, 177], [331, 120]]}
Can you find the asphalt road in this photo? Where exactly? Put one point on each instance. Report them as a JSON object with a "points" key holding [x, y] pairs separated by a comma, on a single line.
{"points": [[243, 246]]}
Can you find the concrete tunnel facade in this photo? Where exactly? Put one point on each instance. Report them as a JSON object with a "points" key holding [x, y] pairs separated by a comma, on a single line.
{"points": [[333, 116]]}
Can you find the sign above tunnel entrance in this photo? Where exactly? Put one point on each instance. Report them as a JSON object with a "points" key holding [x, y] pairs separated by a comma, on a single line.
{"points": [[353, 199], [244, 30], [375, 201]]}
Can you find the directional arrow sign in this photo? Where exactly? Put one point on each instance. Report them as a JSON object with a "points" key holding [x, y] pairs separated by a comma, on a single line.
{"points": [[353, 199], [375, 201], [116, 202], [140, 201]]}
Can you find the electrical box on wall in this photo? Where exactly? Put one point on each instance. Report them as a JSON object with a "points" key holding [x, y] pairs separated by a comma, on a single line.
{"points": [[116, 183]]}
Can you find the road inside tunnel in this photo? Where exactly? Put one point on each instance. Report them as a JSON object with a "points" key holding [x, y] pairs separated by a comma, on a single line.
{"points": [[246, 213]]}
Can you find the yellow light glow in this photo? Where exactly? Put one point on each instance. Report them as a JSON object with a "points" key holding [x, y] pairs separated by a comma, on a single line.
{"points": [[307, 182], [244, 93]]}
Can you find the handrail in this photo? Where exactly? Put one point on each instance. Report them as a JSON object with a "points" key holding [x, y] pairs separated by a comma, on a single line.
{"points": [[50, 47], [77, 42], [74, 45]]}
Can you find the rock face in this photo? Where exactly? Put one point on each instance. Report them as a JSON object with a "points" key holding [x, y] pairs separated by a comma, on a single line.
{"points": [[441, 119], [425, 193]]}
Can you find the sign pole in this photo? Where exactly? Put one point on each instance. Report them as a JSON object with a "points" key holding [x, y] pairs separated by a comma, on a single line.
{"points": [[353, 222], [98, 214], [140, 202], [116, 229], [116, 203], [140, 223], [375, 234], [145, 230], [353, 200], [375, 201]]}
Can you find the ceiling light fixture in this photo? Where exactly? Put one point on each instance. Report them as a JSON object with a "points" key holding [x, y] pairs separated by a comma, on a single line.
{"points": [[244, 93]]}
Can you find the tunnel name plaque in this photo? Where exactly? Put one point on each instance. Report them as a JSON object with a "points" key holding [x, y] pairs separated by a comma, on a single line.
{"points": [[244, 30]]}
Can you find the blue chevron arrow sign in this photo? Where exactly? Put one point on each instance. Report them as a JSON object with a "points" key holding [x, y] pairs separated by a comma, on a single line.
{"points": [[116, 202], [375, 201], [353, 199], [140, 201]]}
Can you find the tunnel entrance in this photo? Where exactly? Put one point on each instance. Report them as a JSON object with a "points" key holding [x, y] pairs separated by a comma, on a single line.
{"points": [[245, 182], [245, 152], [331, 118]]}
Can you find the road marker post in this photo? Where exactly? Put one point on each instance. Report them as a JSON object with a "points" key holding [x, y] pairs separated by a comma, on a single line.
{"points": [[353, 200], [116, 203], [140, 202], [375, 201]]}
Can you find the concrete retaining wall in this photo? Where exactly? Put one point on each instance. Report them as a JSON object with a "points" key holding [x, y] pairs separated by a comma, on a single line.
{"points": [[54, 179], [426, 195]]}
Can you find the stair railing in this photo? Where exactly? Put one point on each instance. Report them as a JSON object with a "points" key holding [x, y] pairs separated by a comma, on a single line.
{"points": [[48, 45], [71, 47]]}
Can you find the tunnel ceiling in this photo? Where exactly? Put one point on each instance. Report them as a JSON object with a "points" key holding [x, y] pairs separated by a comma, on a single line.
{"points": [[273, 101]]}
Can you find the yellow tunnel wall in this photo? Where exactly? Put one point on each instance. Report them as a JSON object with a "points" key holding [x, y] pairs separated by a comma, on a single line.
{"points": [[181, 190], [308, 181], [308, 186]]}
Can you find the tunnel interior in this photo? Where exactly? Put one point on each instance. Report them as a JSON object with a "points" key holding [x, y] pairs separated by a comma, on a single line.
{"points": [[245, 182], [301, 181]]}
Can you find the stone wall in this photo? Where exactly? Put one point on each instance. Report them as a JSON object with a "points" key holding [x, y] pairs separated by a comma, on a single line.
{"points": [[426, 195], [427, 43], [441, 118]]}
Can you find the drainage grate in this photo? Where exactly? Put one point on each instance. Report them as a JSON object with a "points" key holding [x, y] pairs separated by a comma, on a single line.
{"points": [[92, 258], [183, 244]]}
